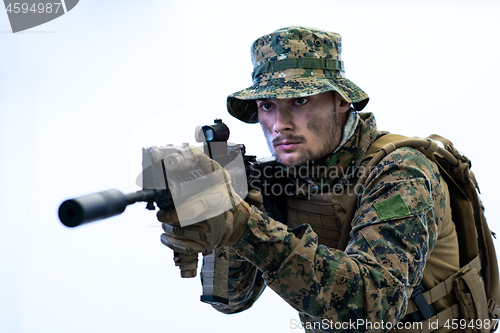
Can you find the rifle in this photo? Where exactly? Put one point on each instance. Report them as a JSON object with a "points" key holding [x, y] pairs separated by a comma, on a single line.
{"points": [[170, 176]]}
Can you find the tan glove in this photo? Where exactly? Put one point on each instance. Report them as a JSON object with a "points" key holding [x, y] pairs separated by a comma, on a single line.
{"points": [[220, 230]]}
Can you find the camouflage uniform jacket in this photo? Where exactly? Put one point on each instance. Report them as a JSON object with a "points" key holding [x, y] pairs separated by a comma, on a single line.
{"points": [[373, 278]]}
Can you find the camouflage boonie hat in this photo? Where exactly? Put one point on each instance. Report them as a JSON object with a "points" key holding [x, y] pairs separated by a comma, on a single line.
{"points": [[295, 62]]}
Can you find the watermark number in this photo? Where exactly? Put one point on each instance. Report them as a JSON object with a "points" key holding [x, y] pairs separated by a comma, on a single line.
{"points": [[35, 8]]}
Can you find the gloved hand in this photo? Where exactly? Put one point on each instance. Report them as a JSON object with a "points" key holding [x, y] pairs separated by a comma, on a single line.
{"points": [[223, 229]]}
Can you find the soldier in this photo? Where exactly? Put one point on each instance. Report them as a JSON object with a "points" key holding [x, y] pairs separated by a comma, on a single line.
{"points": [[402, 238]]}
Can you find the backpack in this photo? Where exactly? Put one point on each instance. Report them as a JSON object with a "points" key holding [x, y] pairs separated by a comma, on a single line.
{"points": [[476, 285]]}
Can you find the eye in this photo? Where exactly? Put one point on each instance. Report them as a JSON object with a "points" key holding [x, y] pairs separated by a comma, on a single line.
{"points": [[300, 100], [264, 106]]}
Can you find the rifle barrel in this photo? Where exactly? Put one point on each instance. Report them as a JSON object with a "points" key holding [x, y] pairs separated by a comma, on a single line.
{"points": [[99, 206]]}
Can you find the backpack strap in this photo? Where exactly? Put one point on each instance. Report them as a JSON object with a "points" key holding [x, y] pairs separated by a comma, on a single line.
{"points": [[381, 142], [445, 287], [439, 138]]}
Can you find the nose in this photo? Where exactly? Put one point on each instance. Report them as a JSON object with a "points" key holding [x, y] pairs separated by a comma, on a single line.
{"points": [[284, 120]]}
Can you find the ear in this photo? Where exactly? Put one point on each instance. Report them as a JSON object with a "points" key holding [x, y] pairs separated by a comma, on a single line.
{"points": [[342, 106]]}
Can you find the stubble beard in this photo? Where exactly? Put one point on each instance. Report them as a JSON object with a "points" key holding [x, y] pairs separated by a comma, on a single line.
{"points": [[331, 130]]}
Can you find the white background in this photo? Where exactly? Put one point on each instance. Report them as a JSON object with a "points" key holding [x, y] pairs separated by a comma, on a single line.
{"points": [[80, 96]]}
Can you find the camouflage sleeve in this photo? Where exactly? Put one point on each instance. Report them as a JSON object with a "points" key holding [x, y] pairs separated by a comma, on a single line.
{"points": [[245, 284], [393, 232]]}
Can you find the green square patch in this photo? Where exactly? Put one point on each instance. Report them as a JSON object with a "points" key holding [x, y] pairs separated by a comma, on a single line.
{"points": [[394, 207]]}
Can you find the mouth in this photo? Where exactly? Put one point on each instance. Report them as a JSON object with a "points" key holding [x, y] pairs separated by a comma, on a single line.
{"points": [[287, 145]]}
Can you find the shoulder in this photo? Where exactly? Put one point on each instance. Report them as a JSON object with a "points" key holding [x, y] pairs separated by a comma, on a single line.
{"points": [[404, 163], [405, 177]]}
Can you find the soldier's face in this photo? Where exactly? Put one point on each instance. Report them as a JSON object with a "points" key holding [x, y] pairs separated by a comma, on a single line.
{"points": [[301, 129]]}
